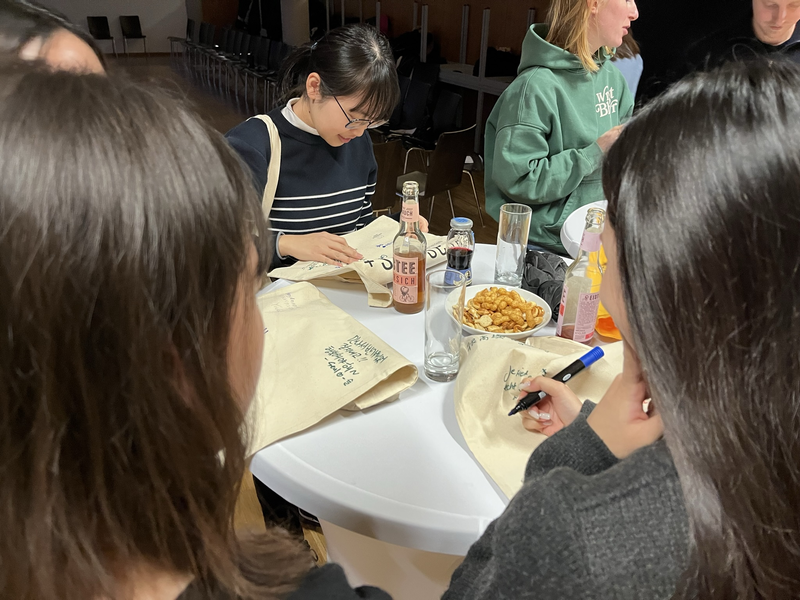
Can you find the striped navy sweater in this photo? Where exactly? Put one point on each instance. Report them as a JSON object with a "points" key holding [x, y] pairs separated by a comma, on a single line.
{"points": [[320, 188]]}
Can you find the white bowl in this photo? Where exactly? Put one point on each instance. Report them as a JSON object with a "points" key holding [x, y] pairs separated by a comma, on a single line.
{"points": [[473, 290], [572, 229]]}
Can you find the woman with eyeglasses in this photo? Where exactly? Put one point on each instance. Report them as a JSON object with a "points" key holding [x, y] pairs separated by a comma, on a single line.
{"points": [[333, 90]]}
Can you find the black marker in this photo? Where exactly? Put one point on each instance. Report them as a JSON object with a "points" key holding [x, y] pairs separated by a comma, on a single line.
{"points": [[592, 356]]}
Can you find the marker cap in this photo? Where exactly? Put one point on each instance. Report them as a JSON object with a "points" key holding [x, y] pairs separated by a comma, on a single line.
{"points": [[592, 356]]}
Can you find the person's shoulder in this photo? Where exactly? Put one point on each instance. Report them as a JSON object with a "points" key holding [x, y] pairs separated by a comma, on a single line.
{"points": [[537, 80], [630, 516], [252, 128], [650, 472]]}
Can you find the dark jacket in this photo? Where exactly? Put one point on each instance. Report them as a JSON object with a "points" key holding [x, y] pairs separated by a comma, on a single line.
{"points": [[584, 525]]}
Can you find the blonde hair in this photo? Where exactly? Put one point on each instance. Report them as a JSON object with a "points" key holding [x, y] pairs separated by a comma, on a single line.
{"points": [[569, 29]]}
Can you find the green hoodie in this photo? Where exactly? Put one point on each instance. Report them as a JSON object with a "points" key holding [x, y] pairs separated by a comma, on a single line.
{"points": [[540, 144]]}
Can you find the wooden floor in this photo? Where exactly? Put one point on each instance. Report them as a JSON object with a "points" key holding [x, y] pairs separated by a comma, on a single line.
{"points": [[223, 113]]}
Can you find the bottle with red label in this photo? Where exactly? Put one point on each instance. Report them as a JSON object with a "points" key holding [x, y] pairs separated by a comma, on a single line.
{"points": [[409, 247], [580, 298]]}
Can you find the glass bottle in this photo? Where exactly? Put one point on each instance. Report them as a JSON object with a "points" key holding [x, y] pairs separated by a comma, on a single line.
{"points": [[461, 246], [581, 296], [408, 248]]}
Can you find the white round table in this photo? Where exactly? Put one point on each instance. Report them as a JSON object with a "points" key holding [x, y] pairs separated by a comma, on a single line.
{"points": [[395, 487]]}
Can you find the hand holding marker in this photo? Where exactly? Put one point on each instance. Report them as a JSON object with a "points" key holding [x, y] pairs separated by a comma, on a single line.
{"points": [[563, 376]]}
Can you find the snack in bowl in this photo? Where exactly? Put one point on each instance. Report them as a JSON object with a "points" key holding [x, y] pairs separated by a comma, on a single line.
{"points": [[498, 310]]}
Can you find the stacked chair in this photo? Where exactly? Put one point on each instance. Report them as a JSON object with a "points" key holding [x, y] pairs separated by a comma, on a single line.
{"points": [[232, 61]]}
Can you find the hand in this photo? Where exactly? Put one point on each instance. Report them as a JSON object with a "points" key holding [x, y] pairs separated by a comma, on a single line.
{"points": [[607, 140], [423, 224], [620, 419], [323, 247], [557, 410]]}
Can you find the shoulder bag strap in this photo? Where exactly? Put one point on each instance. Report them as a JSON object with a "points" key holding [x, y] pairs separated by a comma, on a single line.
{"points": [[274, 168]]}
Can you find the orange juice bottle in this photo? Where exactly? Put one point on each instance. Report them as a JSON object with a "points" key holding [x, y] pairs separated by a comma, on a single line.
{"points": [[605, 324]]}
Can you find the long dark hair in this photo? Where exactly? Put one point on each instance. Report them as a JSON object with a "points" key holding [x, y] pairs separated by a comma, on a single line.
{"points": [[704, 193], [351, 61], [125, 225], [23, 20]]}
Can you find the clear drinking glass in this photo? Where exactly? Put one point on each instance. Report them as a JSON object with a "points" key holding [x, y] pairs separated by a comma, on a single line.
{"points": [[512, 241], [444, 299]]}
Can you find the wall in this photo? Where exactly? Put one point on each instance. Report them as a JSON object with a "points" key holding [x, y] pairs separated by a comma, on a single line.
{"points": [[506, 24], [294, 19], [221, 13], [159, 19]]}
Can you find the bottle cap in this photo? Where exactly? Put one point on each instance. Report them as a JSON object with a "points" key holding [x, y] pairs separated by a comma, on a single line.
{"points": [[460, 223]]}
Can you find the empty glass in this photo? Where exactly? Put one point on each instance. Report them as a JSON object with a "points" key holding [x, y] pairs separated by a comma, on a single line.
{"points": [[444, 307], [512, 241]]}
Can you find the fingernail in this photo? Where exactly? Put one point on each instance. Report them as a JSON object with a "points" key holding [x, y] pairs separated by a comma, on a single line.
{"points": [[539, 416]]}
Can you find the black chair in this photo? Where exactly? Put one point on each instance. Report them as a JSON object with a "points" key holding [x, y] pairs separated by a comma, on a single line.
{"points": [[202, 49], [389, 156], [132, 30], [278, 51], [426, 72], [216, 52], [100, 31], [246, 64], [181, 42], [445, 169], [446, 117], [414, 94], [258, 69]]}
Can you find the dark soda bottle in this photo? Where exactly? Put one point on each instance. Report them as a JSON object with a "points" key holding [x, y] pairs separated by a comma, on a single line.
{"points": [[460, 246]]}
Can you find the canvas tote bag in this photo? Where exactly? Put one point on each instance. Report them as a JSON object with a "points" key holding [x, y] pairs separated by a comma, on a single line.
{"points": [[375, 270], [487, 387], [317, 360]]}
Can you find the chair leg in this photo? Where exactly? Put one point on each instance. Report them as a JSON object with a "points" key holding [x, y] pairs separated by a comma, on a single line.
{"points": [[144, 40], [475, 194], [452, 210], [125, 46], [114, 47], [430, 213]]}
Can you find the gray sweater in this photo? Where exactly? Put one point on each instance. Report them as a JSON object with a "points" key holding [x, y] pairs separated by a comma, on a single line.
{"points": [[584, 525]]}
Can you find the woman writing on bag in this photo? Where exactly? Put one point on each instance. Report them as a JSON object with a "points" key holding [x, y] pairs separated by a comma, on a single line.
{"points": [[546, 136], [334, 89], [702, 282]]}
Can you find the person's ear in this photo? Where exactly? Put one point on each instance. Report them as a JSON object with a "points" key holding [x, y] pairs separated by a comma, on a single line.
{"points": [[594, 6], [313, 87]]}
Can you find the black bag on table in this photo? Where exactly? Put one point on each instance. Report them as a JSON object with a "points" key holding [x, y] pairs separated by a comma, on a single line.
{"points": [[543, 274]]}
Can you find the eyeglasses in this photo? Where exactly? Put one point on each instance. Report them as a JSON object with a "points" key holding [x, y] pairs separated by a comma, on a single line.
{"points": [[356, 123]]}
